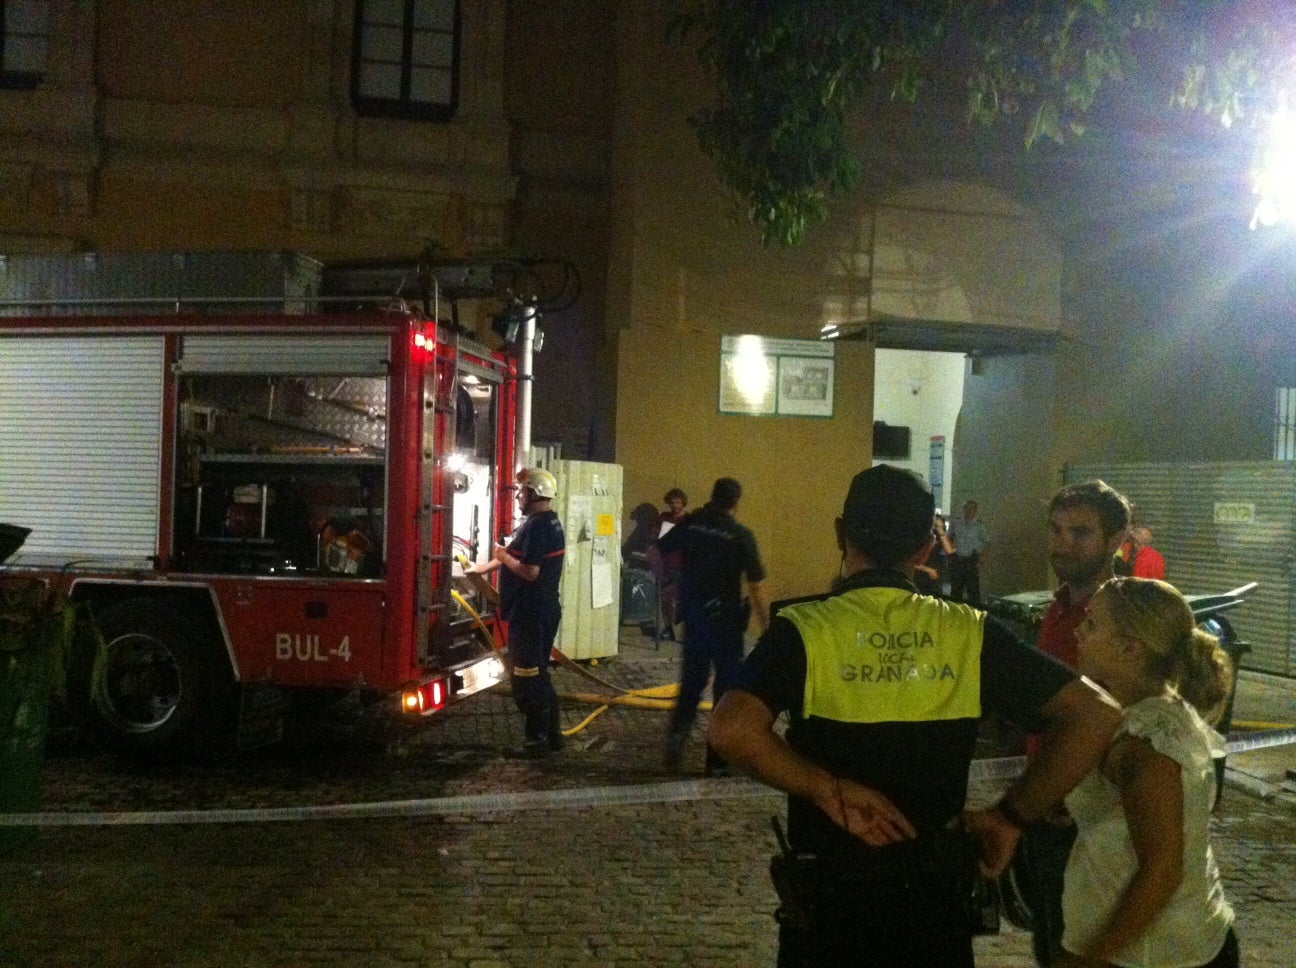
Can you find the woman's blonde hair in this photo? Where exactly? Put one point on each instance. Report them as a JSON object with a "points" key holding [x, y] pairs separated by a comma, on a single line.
{"points": [[1181, 655]]}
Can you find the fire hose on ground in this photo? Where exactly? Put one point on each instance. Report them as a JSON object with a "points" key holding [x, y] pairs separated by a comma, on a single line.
{"points": [[659, 698]]}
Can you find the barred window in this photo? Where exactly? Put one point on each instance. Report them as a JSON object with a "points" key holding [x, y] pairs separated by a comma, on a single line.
{"points": [[405, 62], [24, 42], [1285, 423]]}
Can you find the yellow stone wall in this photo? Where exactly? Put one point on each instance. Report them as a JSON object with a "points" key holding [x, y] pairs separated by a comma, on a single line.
{"points": [[794, 470], [228, 124], [684, 271]]}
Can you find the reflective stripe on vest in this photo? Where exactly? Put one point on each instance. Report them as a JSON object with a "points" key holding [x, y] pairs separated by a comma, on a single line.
{"points": [[878, 655]]}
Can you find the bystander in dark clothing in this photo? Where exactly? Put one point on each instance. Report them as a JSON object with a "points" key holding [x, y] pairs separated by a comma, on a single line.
{"points": [[716, 555], [666, 568], [929, 573]]}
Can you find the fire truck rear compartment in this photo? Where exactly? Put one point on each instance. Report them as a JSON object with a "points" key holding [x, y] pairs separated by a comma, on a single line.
{"points": [[281, 475], [256, 502]]}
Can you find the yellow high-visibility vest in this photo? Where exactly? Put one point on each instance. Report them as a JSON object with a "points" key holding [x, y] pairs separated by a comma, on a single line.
{"points": [[883, 654]]}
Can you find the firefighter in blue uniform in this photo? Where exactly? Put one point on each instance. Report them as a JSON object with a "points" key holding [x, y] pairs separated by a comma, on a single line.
{"points": [[530, 569], [884, 689]]}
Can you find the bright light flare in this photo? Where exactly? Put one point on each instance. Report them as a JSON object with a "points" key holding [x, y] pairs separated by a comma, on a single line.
{"points": [[752, 370], [1274, 180]]}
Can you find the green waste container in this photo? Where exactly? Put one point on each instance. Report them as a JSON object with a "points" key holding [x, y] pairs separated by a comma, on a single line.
{"points": [[24, 725], [32, 625]]}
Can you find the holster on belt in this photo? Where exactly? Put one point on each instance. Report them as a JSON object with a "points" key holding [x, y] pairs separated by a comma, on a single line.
{"points": [[722, 613], [795, 879], [945, 860]]}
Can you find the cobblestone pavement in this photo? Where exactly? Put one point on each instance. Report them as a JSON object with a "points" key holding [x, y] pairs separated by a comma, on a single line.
{"points": [[607, 885]]}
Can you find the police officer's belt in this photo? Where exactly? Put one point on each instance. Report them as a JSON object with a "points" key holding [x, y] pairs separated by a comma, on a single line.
{"points": [[938, 864], [940, 857]]}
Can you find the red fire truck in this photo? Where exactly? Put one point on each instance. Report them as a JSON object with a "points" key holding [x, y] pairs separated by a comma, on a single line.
{"points": [[253, 503]]}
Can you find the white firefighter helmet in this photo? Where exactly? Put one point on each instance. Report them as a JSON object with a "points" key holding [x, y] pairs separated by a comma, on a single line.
{"points": [[543, 484]]}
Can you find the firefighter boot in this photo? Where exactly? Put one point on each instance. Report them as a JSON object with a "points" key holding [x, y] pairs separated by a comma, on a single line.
{"points": [[534, 749]]}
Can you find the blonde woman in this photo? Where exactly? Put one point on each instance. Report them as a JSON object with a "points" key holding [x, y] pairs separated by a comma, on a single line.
{"points": [[1142, 886]]}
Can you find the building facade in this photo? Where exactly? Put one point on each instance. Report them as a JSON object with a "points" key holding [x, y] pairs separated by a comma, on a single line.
{"points": [[1093, 327]]}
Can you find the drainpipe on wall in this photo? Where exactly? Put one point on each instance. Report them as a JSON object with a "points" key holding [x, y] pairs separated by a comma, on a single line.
{"points": [[526, 351]]}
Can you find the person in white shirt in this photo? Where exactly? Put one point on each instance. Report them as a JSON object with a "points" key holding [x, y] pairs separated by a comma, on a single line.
{"points": [[970, 539], [1142, 888]]}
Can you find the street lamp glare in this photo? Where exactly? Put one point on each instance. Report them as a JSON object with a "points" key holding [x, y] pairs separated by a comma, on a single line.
{"points": [[1274, 180]]}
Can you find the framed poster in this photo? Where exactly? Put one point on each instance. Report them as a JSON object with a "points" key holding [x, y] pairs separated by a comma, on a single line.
{"points": [[765, 376], [805, 387], [747, 377]]}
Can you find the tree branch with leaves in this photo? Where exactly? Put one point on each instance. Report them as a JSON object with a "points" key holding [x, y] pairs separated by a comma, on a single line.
{"points": [[790, 74]]}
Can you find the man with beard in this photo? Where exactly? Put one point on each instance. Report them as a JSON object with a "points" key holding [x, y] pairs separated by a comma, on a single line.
{"points": [[1087, 523]]}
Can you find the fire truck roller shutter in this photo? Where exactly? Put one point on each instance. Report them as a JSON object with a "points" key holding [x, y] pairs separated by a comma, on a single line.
{"points": [[166, 691], [81, 436], [316, 354]]}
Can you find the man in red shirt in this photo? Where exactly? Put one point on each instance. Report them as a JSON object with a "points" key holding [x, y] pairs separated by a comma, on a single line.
{"points": [[1148, 562], [1087, 523]]}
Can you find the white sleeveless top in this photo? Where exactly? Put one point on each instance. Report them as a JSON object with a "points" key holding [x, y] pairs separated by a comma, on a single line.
{"points": [[1190, 930]]}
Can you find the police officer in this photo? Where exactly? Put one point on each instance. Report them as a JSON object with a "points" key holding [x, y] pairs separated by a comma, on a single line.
{"points": [[717, 554], [531, 566], [884, 689]]}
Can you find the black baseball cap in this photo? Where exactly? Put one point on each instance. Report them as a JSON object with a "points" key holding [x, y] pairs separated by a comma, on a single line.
{"points": [[890, 505]]}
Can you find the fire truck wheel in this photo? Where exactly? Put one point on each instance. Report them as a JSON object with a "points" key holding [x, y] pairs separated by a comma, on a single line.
{"points": [[167, 691]]}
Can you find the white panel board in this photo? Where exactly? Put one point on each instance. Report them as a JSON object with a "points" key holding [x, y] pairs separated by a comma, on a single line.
{"points": [[589, 506]]}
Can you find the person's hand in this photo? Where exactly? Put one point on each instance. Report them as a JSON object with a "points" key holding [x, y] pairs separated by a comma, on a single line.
{"points": [[998, 837], [865, 813], [501, 554]]}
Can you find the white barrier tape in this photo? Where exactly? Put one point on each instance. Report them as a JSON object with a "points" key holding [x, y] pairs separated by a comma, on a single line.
{"points": [[441, 806], [1240, 743], [1003, 768], [989, 769]]}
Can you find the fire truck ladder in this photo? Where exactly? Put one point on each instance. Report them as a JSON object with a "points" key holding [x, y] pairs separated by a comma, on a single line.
{"points": [[435, 519]]}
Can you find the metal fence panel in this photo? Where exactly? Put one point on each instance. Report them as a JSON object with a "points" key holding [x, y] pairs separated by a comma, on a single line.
{"points": [[1221, 525]]}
